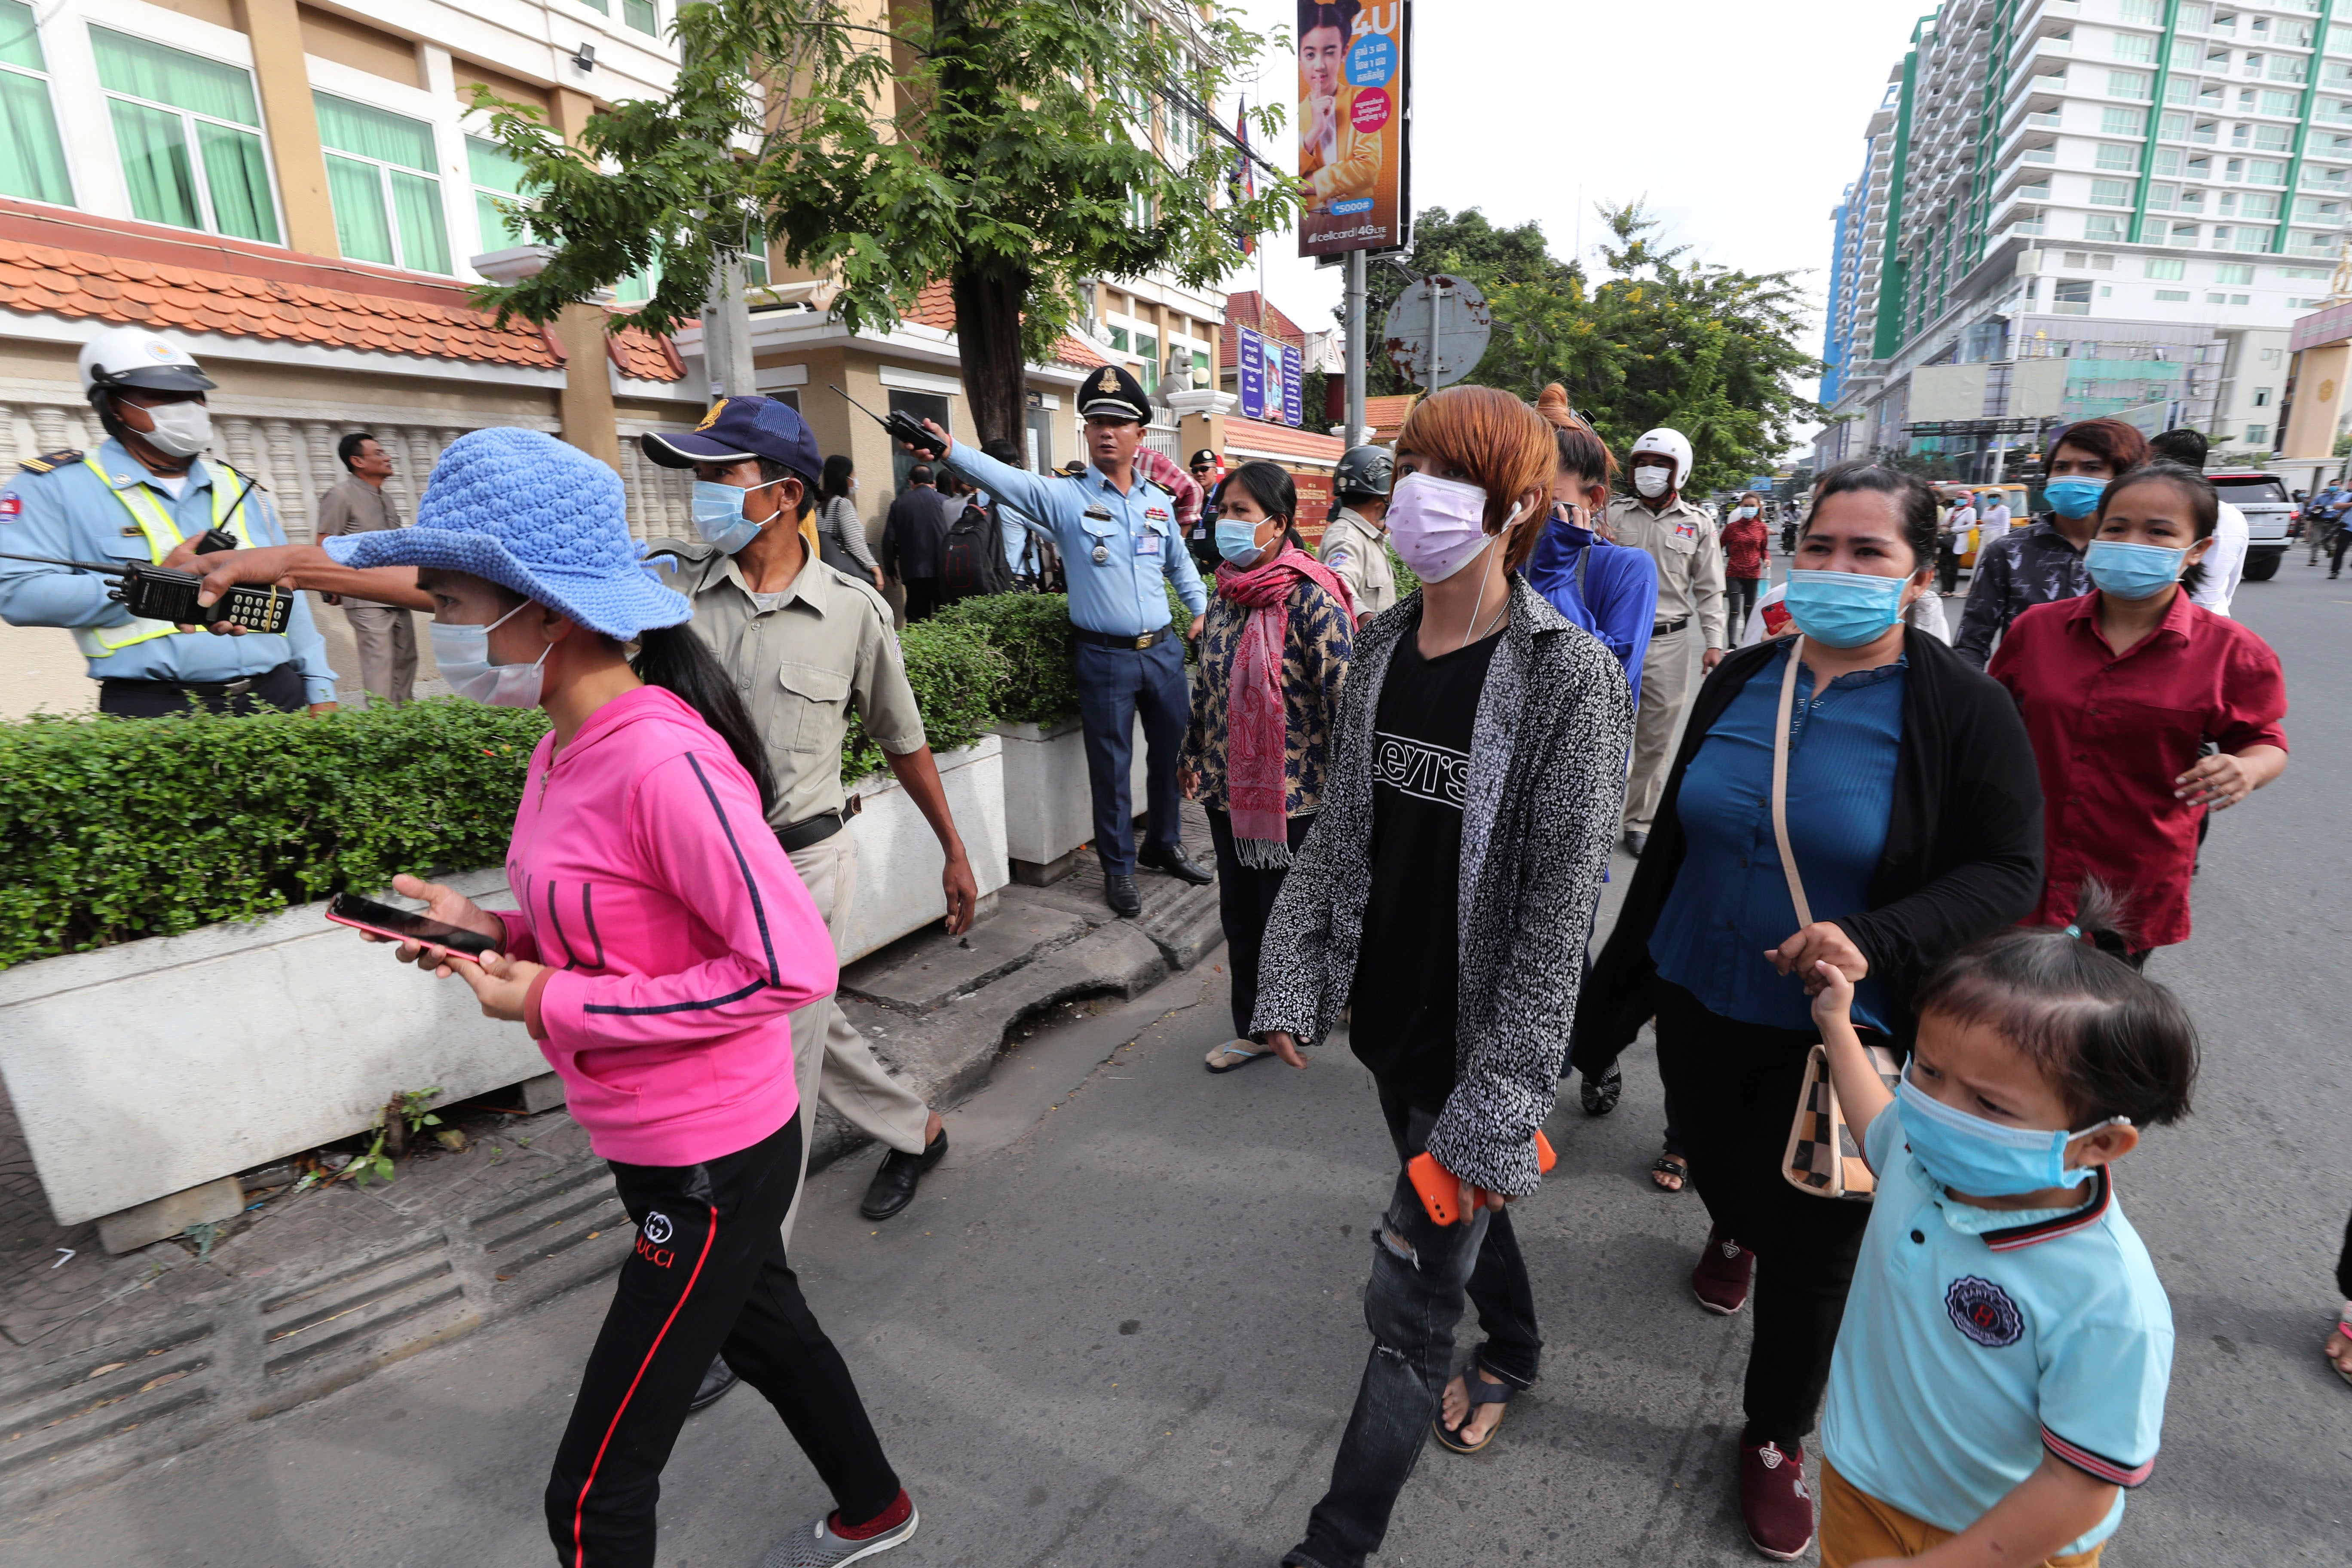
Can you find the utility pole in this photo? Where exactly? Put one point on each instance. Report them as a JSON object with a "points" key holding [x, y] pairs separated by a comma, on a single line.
{"points": [[727, 332], [1356, 347]]}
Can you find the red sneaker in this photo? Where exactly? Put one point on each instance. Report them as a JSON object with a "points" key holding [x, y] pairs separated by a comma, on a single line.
{"points": [[1774, 1500], [1720, 1281]]}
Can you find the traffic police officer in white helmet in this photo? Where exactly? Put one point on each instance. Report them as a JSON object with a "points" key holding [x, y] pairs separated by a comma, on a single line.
{"points": [[1683, 541], [143, 492]]}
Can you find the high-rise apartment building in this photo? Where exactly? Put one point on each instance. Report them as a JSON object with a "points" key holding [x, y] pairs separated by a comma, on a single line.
{"points": [[2090, 208]]}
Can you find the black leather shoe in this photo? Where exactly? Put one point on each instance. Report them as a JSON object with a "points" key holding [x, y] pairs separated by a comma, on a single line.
{"points": [[1174, 862], [1120, 893], [717, 1379], [1635, 843], [894, 1183]]}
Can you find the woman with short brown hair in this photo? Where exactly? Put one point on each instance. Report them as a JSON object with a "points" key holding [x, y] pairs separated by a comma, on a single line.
{"points": [[1476, 778]]}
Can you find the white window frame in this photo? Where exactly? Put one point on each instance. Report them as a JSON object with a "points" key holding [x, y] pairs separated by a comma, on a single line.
{"points": [[384, 187], [47, 77], [151, 24]]}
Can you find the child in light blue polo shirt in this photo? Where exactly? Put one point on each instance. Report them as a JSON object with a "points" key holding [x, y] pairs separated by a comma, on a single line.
{"points": [[2000, 1370]]}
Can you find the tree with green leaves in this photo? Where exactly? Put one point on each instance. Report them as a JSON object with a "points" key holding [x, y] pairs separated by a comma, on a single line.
{"points": [[1016, 148], [1710, 350]]}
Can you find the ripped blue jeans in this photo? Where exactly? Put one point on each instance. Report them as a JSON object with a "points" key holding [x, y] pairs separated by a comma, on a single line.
{"points": [[1422, 1275]]}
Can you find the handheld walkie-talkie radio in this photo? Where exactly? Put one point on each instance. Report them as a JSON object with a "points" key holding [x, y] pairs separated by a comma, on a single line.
{"points": [[903, 427], [155, 592]]}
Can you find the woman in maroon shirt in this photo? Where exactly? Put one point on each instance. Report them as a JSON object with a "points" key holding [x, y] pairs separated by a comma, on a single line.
{"points": [[2121, 690], [1744, 543]]}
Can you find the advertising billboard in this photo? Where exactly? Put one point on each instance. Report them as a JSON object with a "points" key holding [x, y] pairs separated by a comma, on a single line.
{"points": [[1354, 110], [1249, 360], [1294, 374]]}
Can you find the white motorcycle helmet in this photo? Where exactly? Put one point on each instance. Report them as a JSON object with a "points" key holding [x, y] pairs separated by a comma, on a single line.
{"points": [[1669, 443], [133, 357]]}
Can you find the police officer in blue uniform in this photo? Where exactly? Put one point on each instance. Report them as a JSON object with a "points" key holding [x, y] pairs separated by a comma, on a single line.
{"points": [[1117, 535], [142, 494]]}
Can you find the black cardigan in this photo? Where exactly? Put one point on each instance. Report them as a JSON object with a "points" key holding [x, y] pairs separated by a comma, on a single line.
{"points": [[1963, 853]]}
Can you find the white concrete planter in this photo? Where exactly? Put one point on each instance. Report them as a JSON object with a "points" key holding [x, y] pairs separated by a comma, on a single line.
{"points": [[1048, 804], [149, 1067], [898, 861]]}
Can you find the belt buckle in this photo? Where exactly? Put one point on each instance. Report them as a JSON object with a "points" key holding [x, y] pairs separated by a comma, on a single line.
{"points": [[238, 687], [1143, 642]]}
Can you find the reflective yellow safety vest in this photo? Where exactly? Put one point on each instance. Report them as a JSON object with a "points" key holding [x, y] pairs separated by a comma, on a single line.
{"points": [[164, 536]]}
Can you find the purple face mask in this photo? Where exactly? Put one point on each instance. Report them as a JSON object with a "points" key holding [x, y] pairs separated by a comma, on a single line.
{"points": [[1439, 526]]}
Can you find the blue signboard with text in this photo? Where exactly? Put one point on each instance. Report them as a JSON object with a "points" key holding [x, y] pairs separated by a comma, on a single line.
{"points": [[1249, 355], [1294, 365]]}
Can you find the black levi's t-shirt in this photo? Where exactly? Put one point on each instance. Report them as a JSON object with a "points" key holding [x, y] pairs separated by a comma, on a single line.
{"points": [[1402, 1002]]}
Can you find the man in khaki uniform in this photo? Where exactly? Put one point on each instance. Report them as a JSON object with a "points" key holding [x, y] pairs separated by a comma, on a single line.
{"points": [[386, 634], [807, 647], [1689, 554], [1355, 539]]}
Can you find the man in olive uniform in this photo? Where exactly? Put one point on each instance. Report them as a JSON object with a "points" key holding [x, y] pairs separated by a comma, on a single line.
{"points": [[1689, 553], [1355, 540]]}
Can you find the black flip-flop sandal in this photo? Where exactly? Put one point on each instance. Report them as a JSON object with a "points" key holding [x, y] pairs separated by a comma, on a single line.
{"points": [[1673, 1165], [1481, 1393], [1599, 1096]]}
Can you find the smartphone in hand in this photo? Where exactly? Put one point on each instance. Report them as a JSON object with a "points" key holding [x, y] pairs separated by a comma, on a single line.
{"points": [[407, 925]]}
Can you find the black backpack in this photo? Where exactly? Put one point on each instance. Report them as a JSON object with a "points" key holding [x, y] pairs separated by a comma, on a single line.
{"points": [[971, 557]]}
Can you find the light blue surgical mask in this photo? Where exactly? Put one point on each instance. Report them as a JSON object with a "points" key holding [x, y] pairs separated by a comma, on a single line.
{"points": [[1237, 541], [718, 517], [2132, 571], [463, 654], [1843, 609], [2073, 497], [1984, 1159]]}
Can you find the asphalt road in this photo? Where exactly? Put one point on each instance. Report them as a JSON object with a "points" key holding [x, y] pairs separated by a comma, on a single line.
{"points": [[1122, 1325]]}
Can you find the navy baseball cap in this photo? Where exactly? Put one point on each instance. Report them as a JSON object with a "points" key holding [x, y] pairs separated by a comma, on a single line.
{"points": [[741, 427]]}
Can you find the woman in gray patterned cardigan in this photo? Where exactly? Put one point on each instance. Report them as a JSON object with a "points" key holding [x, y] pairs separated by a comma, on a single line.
{"points": [[1445, 890]]}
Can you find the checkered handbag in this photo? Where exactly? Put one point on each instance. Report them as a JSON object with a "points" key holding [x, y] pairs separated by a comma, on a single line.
{"points": [[1823, 1157]]}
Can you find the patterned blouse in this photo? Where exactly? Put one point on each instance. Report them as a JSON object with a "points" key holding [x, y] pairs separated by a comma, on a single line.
{"points": [[1315, 647]]}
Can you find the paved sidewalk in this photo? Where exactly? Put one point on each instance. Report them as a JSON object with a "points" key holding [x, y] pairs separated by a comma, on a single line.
{"points": [[108, 1362]]}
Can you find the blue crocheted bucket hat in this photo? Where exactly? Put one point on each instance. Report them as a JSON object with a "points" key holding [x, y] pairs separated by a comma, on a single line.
{"points": [[534, 515]]}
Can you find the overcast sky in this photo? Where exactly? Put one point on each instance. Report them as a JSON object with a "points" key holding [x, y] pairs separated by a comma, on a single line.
{"points": [[1738, 123]]}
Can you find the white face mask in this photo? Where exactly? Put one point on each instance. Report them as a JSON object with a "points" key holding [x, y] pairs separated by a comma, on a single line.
{"points": [[464, 654], [181, 429], [1439, 526], [1653, 481]]}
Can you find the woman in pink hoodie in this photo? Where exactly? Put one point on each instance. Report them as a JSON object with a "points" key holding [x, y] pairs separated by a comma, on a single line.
{"points": [[662, 941]]}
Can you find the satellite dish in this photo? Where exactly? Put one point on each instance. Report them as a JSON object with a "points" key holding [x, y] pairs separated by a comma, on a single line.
{"points": [[1443, 312]]}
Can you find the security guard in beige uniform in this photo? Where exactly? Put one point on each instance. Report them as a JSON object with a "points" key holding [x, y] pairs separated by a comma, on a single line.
{"points": [[1689, 553], [1355, 540]]}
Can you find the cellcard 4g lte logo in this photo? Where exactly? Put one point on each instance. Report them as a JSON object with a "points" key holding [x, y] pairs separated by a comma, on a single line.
{"points": [[656, 1230], [1984, 1313]]}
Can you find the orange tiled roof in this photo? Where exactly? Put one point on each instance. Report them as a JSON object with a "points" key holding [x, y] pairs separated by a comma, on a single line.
{"points": [[1248, 309], [1386, 415], [1300, 446], [150, 276], [935, 308]]}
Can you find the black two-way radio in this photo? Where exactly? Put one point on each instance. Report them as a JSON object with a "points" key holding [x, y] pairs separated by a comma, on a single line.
{"points": [[902, 427], [156, 593]]}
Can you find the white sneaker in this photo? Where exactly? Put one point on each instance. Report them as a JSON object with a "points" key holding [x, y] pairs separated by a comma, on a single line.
{"points": [[814, 1545]]}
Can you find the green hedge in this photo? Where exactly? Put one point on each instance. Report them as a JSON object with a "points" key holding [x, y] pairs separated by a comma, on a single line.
{"points": [[112, 830]]}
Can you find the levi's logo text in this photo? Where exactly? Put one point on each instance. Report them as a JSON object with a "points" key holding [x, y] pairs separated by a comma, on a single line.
{"points": [[1984, 1313], [1438, 774], [652, 1235]]}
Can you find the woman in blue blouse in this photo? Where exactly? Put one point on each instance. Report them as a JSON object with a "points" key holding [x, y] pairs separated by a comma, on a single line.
{"points": [[1914, 813]]}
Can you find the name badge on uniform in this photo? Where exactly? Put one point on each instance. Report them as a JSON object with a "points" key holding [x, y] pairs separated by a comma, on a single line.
{"points": [[1147, 543]]}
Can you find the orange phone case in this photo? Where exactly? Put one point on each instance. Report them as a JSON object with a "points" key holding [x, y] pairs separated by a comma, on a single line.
{"points": [[1440, 1189]]}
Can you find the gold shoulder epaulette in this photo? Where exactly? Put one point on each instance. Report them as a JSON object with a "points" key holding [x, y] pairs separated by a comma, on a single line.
{"points": [[63, 458]]}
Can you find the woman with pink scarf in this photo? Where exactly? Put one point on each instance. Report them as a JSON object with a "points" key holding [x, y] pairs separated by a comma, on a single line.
{"points": [[1272, 656]]}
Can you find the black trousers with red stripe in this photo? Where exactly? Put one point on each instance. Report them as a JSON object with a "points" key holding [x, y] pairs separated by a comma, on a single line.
{"points": [[709, 1274]]}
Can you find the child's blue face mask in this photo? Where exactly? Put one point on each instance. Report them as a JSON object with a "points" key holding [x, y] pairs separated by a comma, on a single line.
{"points": [[1984, 1159]]}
